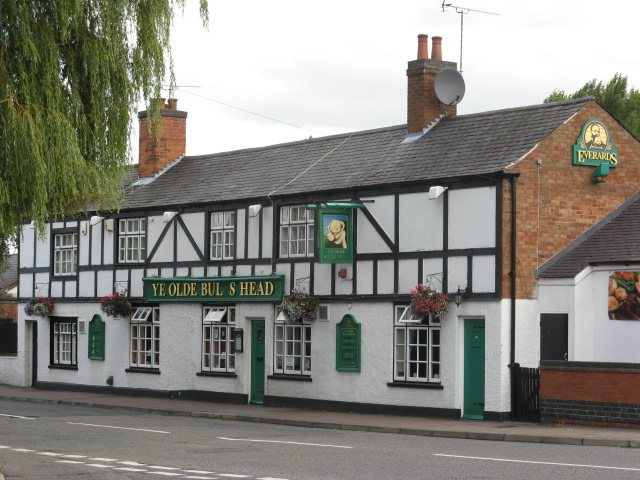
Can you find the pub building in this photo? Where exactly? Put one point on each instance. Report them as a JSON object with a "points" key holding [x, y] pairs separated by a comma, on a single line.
{"points": [[206, 248]]}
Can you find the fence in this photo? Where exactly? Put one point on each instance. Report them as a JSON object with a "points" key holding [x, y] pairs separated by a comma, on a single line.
{"points": [[8, 338], [527, 407]]}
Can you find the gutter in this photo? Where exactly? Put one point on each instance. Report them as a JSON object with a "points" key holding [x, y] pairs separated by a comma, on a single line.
{"points": [[512, 274]]}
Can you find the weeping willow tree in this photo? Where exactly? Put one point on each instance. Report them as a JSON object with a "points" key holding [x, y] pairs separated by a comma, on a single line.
{"points": [[71, 75]]}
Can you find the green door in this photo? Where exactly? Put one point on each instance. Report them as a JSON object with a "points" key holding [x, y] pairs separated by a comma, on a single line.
{"points": [[473, 369], [257, 361]]}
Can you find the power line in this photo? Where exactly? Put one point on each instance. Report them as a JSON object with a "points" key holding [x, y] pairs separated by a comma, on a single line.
{"points": [[248, 111]]}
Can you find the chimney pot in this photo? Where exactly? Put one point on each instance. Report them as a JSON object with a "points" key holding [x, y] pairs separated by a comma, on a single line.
{"points": [[423, 46], [436, 48]]}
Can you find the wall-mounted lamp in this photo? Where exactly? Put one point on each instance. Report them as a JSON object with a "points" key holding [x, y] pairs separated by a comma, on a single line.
{"points": [[459, 295], [238, 340], [167, 216], [84, 227], [254, 210], [600, 172], [96, 219], [109, 225], [436, 191]]}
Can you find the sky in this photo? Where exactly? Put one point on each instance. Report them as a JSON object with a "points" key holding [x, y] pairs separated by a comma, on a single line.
{"points": [[321, 68]]}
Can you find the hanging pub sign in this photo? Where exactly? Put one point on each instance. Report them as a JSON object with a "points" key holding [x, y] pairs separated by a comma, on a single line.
{"points": [[96, 338], [624, 296], [348, 340], [216, 289], [595, 146], [335, 239]]}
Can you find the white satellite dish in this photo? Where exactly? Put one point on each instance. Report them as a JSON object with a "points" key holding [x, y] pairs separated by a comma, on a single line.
{"points": [[449, 86]]}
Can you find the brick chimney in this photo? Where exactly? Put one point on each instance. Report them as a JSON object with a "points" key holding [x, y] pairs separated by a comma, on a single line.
{"points": [[159, 149], [423, 107]]}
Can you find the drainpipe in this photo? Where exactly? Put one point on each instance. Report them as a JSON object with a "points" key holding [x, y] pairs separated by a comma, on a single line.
{"points": [[512, 274]]}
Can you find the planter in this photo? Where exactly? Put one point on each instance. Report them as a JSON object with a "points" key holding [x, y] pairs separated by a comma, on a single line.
{"points": [[299, 307], [426, 302], [38, 307], [116, 305]]}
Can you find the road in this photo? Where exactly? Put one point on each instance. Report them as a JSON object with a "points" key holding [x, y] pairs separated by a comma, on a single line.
{"points": [[56, 442]]}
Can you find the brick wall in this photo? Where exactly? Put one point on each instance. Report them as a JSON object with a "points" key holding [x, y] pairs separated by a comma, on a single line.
{"points": [[9, 310], [162, 145], [423, 106], [558, 201], [590, 393]]}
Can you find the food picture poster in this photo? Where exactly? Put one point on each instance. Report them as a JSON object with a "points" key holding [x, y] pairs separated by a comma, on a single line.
{"points": [[624, 296]]}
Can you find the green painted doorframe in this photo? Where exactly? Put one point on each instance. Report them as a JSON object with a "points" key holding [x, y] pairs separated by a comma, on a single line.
{"points": [[474, 363]]}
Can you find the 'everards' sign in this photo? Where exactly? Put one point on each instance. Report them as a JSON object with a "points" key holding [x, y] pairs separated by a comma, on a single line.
{"points": [[219, 289], [594, 146]]}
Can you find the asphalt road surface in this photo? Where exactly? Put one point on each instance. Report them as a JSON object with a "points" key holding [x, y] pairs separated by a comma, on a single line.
{"points": [[57, 442]]}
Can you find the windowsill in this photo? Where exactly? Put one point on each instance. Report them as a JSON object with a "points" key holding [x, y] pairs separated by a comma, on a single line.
{"points": [[8, 355], [64, 367], [294, 377], [399, 383], [216, 374], [64, 277], [154, 371]]}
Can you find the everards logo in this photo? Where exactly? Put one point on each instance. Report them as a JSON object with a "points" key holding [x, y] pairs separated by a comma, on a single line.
{"points": [[594, 146]]}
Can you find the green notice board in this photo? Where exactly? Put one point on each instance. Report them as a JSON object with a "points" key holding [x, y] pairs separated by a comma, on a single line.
{"points": [[96, 338], [348, 333]]}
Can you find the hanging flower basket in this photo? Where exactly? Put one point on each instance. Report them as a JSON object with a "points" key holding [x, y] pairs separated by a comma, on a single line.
{"points": [[38, 307], [299, 307], [116, 305], [426, 301]]}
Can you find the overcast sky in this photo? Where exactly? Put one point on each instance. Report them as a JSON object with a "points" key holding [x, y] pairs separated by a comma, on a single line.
{"points": [[339, 66]]}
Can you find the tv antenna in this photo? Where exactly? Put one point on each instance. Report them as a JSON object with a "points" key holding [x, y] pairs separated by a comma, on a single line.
{"points": [[462, 11]]}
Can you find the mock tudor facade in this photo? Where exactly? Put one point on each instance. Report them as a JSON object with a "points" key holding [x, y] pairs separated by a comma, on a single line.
{"points": [[207, 246]]}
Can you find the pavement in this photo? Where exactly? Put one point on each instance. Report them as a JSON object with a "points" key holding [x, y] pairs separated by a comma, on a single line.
{"points": [[505, 431]]}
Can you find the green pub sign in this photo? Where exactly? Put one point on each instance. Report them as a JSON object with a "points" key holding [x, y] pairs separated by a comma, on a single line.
{"points": [[348, 335], [217, 289], [335, 236], [96, 338], [595, 146]]}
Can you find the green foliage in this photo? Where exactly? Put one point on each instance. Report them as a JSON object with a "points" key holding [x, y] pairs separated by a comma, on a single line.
{"points": [[615, 97], [71, 76]]}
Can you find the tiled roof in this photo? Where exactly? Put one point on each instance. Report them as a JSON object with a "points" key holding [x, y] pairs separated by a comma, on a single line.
{"points": [[615, 239], [9, 278], [455, 147]]}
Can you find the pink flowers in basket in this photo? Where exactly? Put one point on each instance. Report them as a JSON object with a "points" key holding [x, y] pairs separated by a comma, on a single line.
{"points": [[426, 301]]}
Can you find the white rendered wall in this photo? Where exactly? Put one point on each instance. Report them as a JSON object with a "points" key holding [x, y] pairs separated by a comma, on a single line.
{"points": [[472, 210]]}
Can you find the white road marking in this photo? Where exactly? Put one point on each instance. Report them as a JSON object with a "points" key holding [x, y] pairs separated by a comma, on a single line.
{"points": [[270, 478], [280, 441], [119, 428], [98, 465], [540, 463], [133, 464], [98, 459], [68, 461], [4, 446], [231, 475], [167, 474], [50, 454], [74, 456], [162, 468], [22, 450], [200, 471], [201, 478], [16, 416], [129, 469]]}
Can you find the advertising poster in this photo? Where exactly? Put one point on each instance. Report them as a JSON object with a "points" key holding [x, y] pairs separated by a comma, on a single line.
{"points": [[624, 296]]}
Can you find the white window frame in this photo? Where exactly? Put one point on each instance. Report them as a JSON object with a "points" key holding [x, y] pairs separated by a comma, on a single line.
{"points": [[144, 338], [218, 347], [292, 347], [132, 240], [296, 238], [65, 254], [64, 341], [416, 348], [222, 237]]}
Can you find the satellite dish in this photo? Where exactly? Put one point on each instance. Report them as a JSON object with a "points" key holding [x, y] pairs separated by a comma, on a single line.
{"points": [[449, 86]]}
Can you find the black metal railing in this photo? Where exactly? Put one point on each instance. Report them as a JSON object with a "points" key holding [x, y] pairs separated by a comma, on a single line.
{"points": [[527, 395], [8, 338]]}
